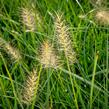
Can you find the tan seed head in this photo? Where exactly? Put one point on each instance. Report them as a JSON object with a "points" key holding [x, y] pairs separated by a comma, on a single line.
{"points": [[63, 38], [102, 17], [48, 57], [28, 19], [30, 88], [13, 52]]}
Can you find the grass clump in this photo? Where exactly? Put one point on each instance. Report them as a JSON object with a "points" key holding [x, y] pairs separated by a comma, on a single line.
{"points": [[81, 82]]}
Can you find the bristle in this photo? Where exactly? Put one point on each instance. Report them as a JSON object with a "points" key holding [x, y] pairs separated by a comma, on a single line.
{"points": [[14, 53], [48, 56], [28, 19], [63, 38], [30, 88], [102, 17]]}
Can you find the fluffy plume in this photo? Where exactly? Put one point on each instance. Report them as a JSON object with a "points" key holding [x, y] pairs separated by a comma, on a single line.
{"points": [[30, 88], [28, 19], [48, 57], [14, 53], [102, 17], [63, 38]]}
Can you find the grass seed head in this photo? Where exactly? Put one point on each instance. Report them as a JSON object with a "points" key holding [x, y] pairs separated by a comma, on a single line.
{"points": [[99, 3], [30, 88], [13, 52], [102, 17], [63, 38], [28, 19], [48, 56]]}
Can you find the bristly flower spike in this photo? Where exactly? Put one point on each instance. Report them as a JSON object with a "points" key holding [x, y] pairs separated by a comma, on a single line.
{"points": [[28, 19], [30, 88], [48, 57], [102, 16], [13, 52], [63, 38]]}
